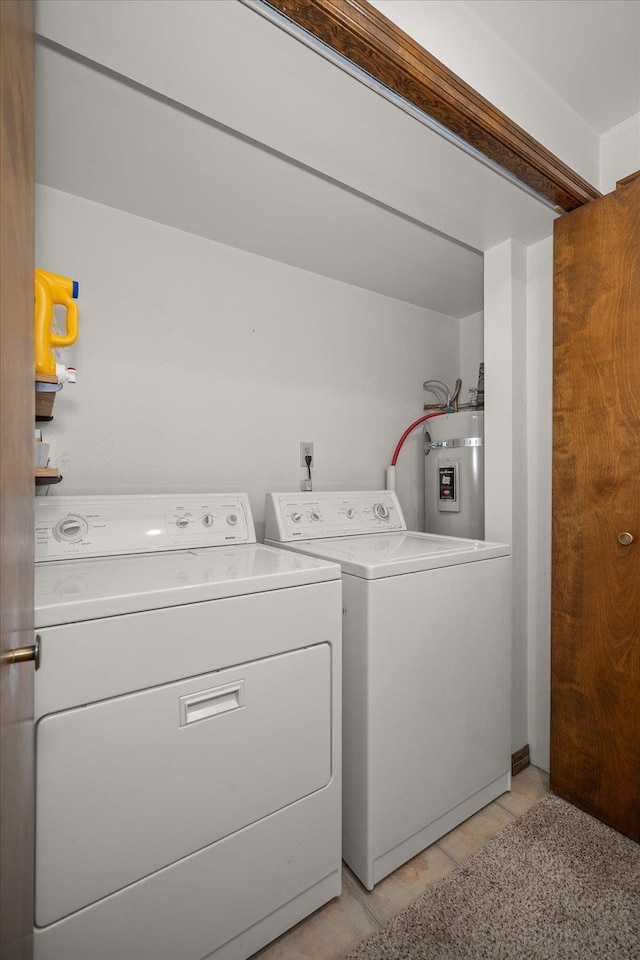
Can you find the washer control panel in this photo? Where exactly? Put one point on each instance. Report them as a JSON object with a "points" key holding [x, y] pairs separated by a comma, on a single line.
{"points": [[68, 527], [310, 516]]}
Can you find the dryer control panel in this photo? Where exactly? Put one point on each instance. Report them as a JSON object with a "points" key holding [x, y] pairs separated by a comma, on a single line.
{"points": [[312, 516], [68, 527]]}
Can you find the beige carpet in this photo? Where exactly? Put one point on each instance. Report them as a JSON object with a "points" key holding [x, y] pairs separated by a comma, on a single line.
{"points": [[556, 884]]}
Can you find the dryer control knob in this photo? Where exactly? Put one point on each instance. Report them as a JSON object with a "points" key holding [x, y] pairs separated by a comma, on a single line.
{"points": [[232, 519], [207, 520], [296, 517], [314, 515], [70, 529], [182, 522]]}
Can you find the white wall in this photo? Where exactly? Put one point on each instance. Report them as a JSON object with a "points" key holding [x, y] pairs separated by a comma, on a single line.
{"points": [[519, 373], [506, 455], [619, 153], [518, 448], [202, 367], [539, 438], [471, 352]]}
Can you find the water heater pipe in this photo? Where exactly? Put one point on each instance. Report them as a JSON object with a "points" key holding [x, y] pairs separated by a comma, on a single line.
{"points": [[391, 478], [391, 470]]}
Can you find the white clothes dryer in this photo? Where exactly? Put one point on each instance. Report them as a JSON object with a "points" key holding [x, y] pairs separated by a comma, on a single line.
{"points": [[187, 711], [426, 670]]}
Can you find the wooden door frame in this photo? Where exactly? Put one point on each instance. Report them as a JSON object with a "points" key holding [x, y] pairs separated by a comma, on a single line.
{"points": [[360, 33], [17, 407]]}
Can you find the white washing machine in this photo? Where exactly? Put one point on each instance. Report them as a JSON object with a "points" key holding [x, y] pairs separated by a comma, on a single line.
{"points": [[187, 710], [426, 670]]}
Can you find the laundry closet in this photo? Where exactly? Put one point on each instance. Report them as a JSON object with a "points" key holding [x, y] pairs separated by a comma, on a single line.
{"points": [[258, 266], [271, 252], [266, 254], [234, 303]]}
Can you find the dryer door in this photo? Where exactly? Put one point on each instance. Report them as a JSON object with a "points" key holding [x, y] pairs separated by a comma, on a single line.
{"points": [[131, 784]]}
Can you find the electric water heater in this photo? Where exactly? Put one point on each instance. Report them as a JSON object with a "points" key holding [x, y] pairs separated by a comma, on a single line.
{"points": [[454, 474]]}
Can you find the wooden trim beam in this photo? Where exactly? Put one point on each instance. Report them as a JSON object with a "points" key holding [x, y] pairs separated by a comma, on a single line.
{"points": [[628, 179], [359, 32]]}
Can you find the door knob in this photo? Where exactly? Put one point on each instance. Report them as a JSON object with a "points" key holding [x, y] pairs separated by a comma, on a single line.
{"points": [[625, 539], [22, 654]]}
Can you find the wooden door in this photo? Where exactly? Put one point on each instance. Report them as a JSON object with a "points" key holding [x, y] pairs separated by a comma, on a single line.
{"points": [[595, 658], [16, 483]]}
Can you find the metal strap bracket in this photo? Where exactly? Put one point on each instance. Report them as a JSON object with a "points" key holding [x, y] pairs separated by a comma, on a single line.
{"points": [[430, 445]]}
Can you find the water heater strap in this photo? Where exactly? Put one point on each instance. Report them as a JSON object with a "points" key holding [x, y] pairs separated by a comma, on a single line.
{"points": [[446, 444]]}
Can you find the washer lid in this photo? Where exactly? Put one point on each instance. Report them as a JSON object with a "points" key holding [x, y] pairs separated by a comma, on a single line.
{"points": [[68, 591], [392, 554]]}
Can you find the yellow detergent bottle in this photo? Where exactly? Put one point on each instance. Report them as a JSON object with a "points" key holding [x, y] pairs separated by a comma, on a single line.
{"points": [[51, 289]]}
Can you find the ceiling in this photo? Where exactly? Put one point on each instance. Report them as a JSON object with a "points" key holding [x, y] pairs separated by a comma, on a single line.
{"points": [[586, 51]]}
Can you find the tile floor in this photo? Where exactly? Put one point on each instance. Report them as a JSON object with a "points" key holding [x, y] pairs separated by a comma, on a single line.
{"points": [[331, 932]]}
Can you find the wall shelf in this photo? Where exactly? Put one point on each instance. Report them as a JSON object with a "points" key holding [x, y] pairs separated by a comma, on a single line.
{"points": [[47, 475], [47, 386]]}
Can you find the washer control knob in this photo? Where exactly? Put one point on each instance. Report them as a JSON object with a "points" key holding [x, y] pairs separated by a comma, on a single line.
{"points": [[381, 511], [182, 523], [351, 513], [296, 517], [207, 520], [232, 519], [314, 515], [71, 529]]}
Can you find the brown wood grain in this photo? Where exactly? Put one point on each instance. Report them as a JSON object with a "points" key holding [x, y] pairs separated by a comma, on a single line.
{"points": [[359, 32], [16, 477], [595, 664], [520, 760], [628, 179]]}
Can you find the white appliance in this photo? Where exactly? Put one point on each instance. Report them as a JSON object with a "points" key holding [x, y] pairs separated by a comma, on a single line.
{"points": [[187, 709], [426, 670], [454, 474]]}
